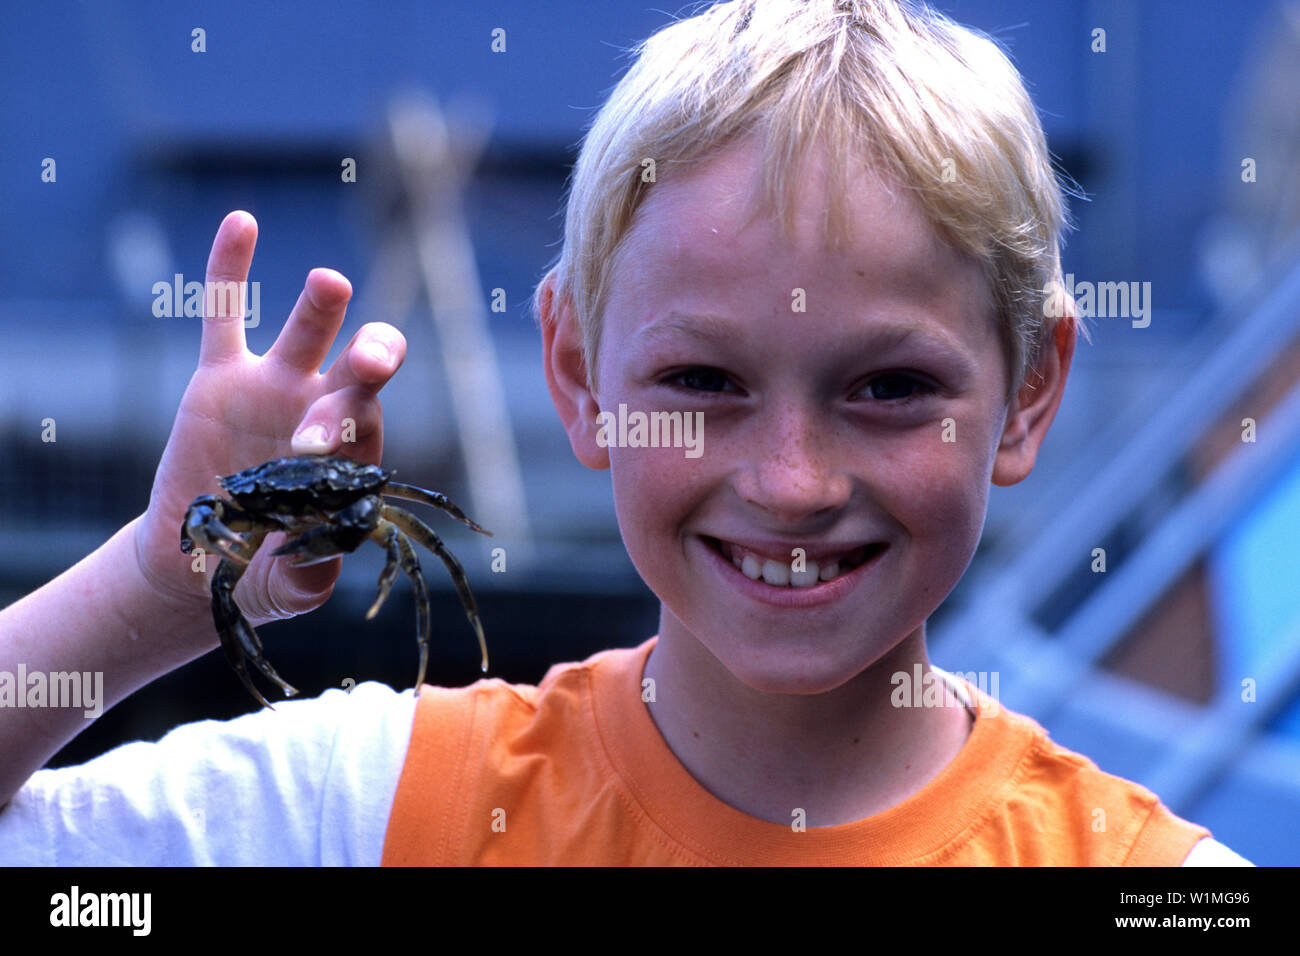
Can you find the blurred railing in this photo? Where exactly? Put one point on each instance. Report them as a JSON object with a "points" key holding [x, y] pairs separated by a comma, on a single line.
{"points": [[1034, 588]]}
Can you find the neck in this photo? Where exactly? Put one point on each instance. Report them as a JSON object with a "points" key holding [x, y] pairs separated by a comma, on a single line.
{"points": [[842, 756]]}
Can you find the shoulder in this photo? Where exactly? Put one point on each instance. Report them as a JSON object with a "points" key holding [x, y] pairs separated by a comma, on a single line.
{"points": [[564, 693], [494, 748], [496, 724], [1059, 808], [1158, 835]]}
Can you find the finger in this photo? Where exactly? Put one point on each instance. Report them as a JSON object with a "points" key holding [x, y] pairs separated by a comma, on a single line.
{"points": [[373, 356], [305, 340], [276, 589], [297, 589], [224, 285], [348, 422]]}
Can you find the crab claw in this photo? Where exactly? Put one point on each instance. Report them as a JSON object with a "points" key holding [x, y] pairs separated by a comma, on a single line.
{"points": [[203, 527], [344, 534]]}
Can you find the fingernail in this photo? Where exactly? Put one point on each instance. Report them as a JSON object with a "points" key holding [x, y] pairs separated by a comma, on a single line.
{"points": [[378, 350], [312, 435]]}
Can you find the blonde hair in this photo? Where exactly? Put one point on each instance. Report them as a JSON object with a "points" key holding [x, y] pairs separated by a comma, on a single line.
{"points": [[935, 105]]}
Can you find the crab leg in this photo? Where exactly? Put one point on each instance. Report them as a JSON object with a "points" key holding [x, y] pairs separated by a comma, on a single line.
{"points": [[401, 555], [238, 638], [386, 535], [422, 533], [435, 498]]}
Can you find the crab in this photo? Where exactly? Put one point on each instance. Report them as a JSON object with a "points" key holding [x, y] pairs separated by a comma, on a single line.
{"points": [[328, 505]]}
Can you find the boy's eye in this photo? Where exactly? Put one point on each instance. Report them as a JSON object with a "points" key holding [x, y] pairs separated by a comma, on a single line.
{"points": [[700, 379], [897, 387]]}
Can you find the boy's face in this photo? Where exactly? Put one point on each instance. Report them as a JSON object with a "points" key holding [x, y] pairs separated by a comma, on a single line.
{"points": [[824, 428]]}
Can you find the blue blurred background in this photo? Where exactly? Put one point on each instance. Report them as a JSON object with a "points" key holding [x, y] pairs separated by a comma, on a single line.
{"points": [[1177, 666]]}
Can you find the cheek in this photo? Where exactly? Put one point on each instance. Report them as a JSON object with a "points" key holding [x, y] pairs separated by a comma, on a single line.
{"points": [[938, 491], [654, 490]]}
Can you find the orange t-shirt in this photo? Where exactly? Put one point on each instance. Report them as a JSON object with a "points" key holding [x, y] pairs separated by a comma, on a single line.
{"points": [[574, 771]]}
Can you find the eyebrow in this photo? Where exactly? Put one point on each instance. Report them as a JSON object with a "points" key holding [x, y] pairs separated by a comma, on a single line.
{"points": [[715, 329]]}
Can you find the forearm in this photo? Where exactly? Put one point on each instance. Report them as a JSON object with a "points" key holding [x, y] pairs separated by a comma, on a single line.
{"points": [[99, 617]]}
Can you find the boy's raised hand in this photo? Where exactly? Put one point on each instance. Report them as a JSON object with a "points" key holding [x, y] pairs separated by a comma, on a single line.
{"points": [[241, 409]]}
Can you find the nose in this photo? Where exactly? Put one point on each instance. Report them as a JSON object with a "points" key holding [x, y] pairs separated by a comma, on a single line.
{"points": [[795, 470]]}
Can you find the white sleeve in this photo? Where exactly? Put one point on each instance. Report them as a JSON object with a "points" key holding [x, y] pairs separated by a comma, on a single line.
{"points": [[1210, 852], [310, 783]]}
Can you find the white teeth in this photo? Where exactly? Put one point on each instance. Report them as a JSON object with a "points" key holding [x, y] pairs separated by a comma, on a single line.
{"points": [[776, 573], [805, 578], [780, 573]]}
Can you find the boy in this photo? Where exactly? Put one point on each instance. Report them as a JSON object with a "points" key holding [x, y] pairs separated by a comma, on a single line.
{"points": [[826, 227]]}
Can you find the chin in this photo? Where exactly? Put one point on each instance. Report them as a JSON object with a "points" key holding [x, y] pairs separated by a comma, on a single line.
{"points": [[793, 670]]}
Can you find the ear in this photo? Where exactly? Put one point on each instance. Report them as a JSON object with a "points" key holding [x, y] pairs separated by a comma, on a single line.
{"points": [[1031, 413], [566, 375]]}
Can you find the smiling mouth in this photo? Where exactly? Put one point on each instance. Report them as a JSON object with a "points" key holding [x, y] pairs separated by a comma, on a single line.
{"points": [[781, 574]]}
